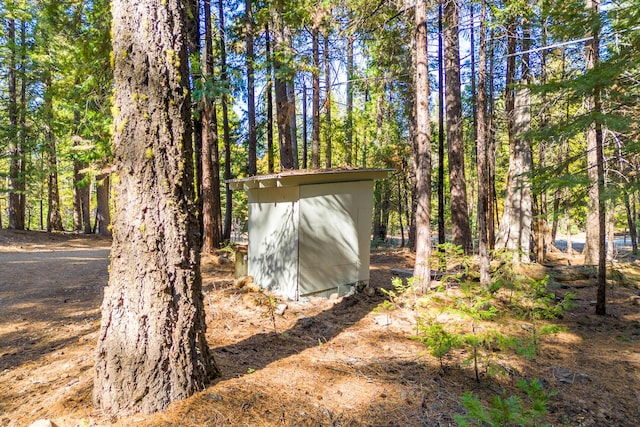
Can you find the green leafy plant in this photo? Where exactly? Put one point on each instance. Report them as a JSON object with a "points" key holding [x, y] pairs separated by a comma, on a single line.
{"points": [[271, 303], [439, 341], [452, 257], [395, 295], [505, 411], [479, 344], [477, 303]]}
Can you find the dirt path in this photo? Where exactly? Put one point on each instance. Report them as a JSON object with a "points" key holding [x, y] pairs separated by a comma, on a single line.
{"points": [[50, 293]]}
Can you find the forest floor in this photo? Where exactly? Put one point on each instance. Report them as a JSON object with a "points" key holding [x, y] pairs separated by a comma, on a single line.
{"points": [[324, 362]]}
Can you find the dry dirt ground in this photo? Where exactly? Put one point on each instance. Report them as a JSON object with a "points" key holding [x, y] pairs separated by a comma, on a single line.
{"points": [[323, 363]]}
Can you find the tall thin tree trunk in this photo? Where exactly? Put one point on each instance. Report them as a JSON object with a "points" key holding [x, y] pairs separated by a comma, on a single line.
{"points": [[422, 151], [283, 115], [542, 232], [460, 229], [224, 101], [251, 96], [293, 128], [315, 102], [611, 223], [305, 146], [482, 150], [556, 215], [211, 204], [15, 216], [291, 99], [365, 141], [193, 47], [81, 189], [566, 151], [327, 102], [22, 183], [269, 96], [152, 346], [380, 118], [474, 93], [595, 149], [348, 131], [593, 231], [631, 222], [441, 229], [377, 211], [400, 199], [102, 224], [492, 204], [54, 219]]}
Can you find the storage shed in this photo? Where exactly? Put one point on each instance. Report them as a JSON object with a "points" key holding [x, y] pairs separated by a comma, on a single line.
{"points": [[310, 231]]}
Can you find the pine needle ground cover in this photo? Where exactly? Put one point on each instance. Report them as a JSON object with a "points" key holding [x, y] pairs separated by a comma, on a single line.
{"points": [[352, 361]]}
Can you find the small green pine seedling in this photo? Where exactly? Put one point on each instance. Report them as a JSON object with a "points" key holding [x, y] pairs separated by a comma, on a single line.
{"points": [[506, 411], [437, 340]]}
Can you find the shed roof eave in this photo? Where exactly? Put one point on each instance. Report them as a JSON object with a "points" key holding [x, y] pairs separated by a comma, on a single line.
{"points": [[296, 178]]}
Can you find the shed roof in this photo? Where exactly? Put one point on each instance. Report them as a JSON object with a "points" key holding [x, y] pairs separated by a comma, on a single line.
{"points": [[305, 177]]}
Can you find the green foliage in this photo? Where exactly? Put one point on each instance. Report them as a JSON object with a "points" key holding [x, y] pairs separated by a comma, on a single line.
{"points": [[452, 257], [479, 308], [476, 303], [505, 411], [271, 303], [396, 294], [536, 302], [438, 340]]}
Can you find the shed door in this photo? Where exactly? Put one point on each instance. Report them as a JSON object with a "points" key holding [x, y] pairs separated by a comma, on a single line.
{"points": [[329, 242]]}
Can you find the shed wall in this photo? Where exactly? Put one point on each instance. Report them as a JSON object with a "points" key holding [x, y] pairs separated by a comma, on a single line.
{"points": [[334, 236], [273, 239]]}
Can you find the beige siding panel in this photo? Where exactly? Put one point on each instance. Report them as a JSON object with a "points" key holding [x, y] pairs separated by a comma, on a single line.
{"points": [[334, 235], [273, 239]]}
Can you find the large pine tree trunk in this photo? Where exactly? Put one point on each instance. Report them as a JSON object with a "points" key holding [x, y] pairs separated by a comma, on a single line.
{"points": [[152, 348], [514, 233], [422, 152], [460, 230]]}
